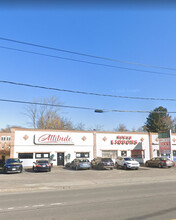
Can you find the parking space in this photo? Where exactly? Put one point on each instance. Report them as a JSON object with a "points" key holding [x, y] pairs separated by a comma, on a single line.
{"points": [[62, 175]]}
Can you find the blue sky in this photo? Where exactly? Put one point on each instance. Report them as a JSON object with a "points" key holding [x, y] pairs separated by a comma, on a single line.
{"points": [[137, 35]]}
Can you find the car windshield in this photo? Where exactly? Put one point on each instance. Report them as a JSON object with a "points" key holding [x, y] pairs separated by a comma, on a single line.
{"points": [[106, 160], [44, 161], [128, 159], [12, 161]]}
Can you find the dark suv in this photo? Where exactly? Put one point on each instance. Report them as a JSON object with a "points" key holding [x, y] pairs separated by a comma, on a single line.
{"points": [[102, 163], [13, 165]]}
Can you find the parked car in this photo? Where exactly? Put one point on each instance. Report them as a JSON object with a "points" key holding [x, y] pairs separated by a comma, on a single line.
{"points": [[67, 165], [127, 163], [102, 163], [80, 164], [42, 165], [159, 162], [13, 165]]}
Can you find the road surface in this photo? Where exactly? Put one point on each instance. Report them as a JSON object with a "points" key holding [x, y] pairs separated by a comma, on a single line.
{"points": [[155, 201]]}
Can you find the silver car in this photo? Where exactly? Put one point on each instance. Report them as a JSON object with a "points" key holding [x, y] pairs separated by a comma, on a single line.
{"points": [[159, 162]]}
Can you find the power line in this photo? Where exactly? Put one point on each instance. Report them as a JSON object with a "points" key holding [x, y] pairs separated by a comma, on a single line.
{"points": [[87, 62], [81, 108], [85, 54], [84, 93]]}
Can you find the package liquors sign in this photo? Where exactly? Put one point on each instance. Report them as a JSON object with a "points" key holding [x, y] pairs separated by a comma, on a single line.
{"points": [[52, 139], [164, 142]]}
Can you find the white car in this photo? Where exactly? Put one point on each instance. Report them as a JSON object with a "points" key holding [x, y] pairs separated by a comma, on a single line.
{"points": [[127, 163]]}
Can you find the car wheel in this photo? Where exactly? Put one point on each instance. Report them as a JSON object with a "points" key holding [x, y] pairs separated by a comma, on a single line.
{"points": [[159, 165], [5, 171], [125, 167], [147, 164], [100, 167]]}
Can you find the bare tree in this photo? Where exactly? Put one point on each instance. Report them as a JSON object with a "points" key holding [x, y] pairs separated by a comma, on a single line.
{"points": [[96, 128], [8, 128], [31, 112], [80, 127], [141, 129], [47, 116], [121, 127]]}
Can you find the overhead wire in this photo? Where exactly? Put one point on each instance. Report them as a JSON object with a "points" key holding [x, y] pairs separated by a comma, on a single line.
{"points": [[79, 107], [82, 92], [88, 62], [85, 54]]}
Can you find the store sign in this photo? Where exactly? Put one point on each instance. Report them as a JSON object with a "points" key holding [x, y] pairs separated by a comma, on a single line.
{"points": [[164, 142], [121, 140], [52, 139]]}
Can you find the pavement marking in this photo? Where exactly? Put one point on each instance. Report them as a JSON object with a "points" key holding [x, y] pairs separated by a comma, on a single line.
{"points": [[41, 205], [56, 204], [34, 206]]}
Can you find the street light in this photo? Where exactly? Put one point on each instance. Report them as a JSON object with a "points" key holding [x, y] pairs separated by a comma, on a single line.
{"points": [[98, 111]]}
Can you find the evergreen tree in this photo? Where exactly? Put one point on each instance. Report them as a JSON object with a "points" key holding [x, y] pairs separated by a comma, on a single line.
{"points": [[158, 120]]}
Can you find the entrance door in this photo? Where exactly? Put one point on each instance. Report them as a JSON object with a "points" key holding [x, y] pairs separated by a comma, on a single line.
{"points": [[60, 159]]}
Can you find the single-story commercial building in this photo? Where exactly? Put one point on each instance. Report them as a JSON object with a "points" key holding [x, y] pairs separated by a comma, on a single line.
{"points": [[63, 146]]}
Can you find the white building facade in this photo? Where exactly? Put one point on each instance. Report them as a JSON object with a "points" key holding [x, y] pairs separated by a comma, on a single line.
{"points": [[123, 144], [64, 146], [61, 146]]}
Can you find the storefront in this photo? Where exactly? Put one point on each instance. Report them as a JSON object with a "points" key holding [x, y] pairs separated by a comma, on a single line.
{"points": [[155, 147], [61, 146], [131, 144]]}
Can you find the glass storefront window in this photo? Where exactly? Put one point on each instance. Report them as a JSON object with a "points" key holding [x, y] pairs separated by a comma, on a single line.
{"points": [[124, 153], [137, 154], [174, 153], [25, 155], [109, 154], [42, 155], [82, 155]]}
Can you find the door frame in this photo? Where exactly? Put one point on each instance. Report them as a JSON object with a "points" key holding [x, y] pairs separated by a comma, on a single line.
{"points": [[61, 152]]}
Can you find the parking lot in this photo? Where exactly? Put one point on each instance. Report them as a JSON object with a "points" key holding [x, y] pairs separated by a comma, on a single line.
{"points": [[64, 179]]}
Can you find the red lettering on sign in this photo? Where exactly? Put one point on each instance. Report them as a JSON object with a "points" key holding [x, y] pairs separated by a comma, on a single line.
{"points": [[48, 138], [124, 140]]}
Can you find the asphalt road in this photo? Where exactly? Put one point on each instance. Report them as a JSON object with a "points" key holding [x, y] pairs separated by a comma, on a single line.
{"points": [[155, 201]]}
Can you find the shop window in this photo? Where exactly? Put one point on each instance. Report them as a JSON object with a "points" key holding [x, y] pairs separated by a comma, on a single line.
{"points": [[124, 153], [25, 155], [174, 153], [82, 155], [42, 155], [158, 153], [3, 138], [137, 154], [109, 154]]}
